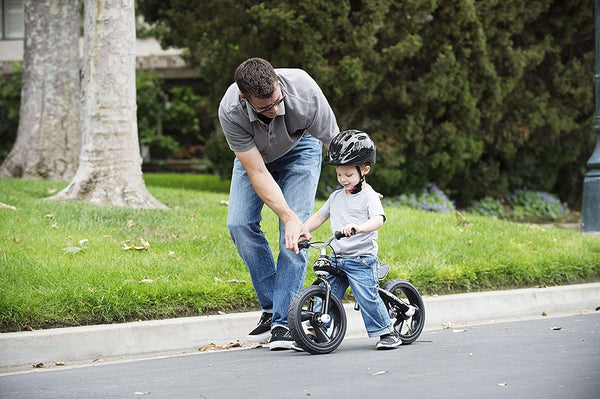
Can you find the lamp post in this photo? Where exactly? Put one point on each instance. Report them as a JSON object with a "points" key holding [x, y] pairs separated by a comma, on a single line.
{"points": [[590, 211]]}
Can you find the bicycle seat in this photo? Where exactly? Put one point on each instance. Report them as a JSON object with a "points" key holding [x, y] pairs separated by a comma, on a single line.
{"points": [[383, 271]]}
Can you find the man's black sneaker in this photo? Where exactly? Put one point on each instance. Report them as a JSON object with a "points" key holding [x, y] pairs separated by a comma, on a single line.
{"points": [[281, 338], [389, 341], [262, 332]]}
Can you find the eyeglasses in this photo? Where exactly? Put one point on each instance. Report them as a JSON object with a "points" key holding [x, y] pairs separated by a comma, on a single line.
{"points": [[267, 108]]}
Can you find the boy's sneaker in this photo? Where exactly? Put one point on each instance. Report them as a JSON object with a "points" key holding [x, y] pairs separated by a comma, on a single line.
{"points": [[281, 338], [389, 341], [262, 332]]}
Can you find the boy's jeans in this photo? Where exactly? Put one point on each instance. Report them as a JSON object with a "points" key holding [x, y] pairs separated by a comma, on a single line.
{"points": [[297, 173], [362, 277]]}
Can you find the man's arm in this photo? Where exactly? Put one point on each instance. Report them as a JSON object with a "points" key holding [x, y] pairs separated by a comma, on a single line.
{"points": [[270, 192]]}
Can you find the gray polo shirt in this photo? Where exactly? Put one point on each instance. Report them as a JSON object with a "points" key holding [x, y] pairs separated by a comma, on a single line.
{"points": [[305, 110]]}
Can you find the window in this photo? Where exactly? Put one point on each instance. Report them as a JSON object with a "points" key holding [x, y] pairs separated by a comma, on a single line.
{"points": [[12, 19]]}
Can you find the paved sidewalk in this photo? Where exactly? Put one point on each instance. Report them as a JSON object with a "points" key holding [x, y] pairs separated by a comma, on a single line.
{"points": [[90, 343]]}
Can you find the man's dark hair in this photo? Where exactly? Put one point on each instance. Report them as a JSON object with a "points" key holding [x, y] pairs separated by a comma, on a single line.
{"points": [[256, 77]]}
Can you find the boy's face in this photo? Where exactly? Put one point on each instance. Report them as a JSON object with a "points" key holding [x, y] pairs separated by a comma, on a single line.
{"points": [[348, 176]]}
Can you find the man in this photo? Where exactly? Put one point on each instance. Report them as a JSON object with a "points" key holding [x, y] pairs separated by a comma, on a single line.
{"points": [[274, 121]]}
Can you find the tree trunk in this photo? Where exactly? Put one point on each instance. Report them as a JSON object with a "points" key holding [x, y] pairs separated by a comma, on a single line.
{"points": [[110, 164], [47, 143]]}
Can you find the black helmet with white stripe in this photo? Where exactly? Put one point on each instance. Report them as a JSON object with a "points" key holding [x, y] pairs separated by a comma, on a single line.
{"points": [[351, 147]]}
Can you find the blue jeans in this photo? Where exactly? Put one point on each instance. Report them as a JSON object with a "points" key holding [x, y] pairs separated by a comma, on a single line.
{"points": [[362, 278], [297, 173]]}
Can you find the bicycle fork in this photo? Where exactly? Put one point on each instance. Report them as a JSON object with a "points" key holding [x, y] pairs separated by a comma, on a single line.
{"points": [[324, 317]]}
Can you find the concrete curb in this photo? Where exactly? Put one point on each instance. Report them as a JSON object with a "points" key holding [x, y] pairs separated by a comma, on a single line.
{"points": [[188, 334]]}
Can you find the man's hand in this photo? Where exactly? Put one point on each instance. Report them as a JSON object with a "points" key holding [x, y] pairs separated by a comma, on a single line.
{"points": [[294, 229]]}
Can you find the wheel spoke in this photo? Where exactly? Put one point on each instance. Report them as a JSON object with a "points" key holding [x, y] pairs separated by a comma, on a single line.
{"points": [[306, 315], [321, 333]]}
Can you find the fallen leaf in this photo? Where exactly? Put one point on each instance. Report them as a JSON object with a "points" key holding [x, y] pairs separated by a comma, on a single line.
{"points": [[221, 312], [172, 254], [81, 242], [208, 347], [69, 239], [18, 240], [50, 190], [49, 216], [60, 363], [145, 245], [544, 313], [213, 347], [72, 250], [597, 308], [14, 208], [38, 365], [28, 327], [461, 219], [381, 372], [54, 226], [556, 328], [224, 202], [129, 223], [447, 325]]}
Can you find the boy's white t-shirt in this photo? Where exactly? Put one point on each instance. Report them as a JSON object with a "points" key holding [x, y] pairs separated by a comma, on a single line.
{"points": [[343, 208]]}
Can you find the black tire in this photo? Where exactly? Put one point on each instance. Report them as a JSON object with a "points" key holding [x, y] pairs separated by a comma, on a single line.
{"points": [[409, 328], [306, 326]]}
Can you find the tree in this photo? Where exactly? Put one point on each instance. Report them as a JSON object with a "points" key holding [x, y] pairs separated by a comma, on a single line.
{"points": [[480, 97], [110, 170], [47, 142]]}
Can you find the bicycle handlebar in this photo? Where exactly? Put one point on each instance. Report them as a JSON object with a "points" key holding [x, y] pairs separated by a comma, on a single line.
{"points": [[338, 235]]}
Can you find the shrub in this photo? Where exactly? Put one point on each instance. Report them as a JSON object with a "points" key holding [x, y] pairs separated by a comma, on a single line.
{"points": [[489, 206], [535, 203], [431, 199], [10, 102]]}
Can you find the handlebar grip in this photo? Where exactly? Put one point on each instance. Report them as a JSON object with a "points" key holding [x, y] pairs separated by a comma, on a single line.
{"points": [[339, 235], [303, 244]]}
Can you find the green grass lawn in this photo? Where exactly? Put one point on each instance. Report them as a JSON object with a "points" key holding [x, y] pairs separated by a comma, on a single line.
{"points": [[65, 263]]}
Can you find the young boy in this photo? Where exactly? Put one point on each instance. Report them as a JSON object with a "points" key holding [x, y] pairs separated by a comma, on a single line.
{"points": [[356, 206]]}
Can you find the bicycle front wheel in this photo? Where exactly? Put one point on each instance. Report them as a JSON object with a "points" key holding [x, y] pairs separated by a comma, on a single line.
{"points": [[313, 331]]}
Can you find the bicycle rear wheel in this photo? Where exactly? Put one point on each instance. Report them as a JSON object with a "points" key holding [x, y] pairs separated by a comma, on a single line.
{"points": [[313, 331], [408, 327]]}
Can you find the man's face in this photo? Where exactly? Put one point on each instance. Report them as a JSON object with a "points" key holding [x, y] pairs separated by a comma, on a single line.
{"points": [[268, 107]]}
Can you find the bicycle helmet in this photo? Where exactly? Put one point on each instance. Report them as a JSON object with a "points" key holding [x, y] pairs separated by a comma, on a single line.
{"points": [[351, 147]]}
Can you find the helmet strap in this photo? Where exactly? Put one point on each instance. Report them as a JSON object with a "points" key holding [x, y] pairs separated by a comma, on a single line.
{"points": [[356, 189]]}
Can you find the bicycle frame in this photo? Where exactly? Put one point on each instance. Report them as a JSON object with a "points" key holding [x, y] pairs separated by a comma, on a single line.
{"points": [[323, 268], [317, 318]]}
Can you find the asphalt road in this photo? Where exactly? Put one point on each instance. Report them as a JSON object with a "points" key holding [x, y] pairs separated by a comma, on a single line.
{"points": [[545, 358]]}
